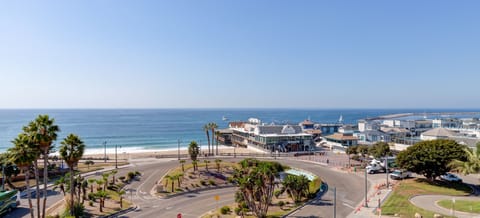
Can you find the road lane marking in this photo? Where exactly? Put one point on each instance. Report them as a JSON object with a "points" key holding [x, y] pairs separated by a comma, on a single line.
{"points": [[348, 205]]}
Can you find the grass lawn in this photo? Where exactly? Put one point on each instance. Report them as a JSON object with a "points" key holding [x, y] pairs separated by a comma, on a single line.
{"points": [[398, 201], [462, 205]]}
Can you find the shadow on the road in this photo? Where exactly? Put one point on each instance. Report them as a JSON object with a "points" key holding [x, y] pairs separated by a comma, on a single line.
{"points": [[49, 193], [306, 216], [18, 212], [320, 202]]}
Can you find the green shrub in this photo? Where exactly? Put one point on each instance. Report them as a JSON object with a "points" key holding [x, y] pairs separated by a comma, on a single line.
{"points": [[137, 173], [238, 210], [277, 193], [211, 182], [179, 190], [203, 182], [281, 203], [130, 175], [90, 203], [121, 178], [91, 196], [224, 210]]}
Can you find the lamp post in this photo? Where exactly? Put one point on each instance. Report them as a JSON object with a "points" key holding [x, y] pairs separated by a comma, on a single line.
{"points": [[366, 204], [334, 202], [178, 149], [105, 154], [386, 169], [116, 163]]}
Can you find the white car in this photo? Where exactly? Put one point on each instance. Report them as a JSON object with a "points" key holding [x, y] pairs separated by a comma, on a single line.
{"points": [[399, 174], [451, 177]]}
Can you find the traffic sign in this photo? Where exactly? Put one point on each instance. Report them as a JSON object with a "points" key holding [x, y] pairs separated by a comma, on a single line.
{"points": [[179, 215]]}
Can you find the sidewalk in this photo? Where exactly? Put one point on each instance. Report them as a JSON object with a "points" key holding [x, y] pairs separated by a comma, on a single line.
{"points": [[376, 195]]}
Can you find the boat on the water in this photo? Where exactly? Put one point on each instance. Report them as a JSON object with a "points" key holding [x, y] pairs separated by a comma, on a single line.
{"points": [[224, 118]]}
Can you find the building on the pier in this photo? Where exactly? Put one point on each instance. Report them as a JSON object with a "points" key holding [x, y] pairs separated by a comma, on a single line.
{"points": [[283, 138], [224, 136], [372, 136], [437, 133], [446, 123], [344, 137]]}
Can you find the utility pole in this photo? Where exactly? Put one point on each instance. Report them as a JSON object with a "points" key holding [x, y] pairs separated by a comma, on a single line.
{"points": [[334, 202], [116, 164], [386, 170], [178, 149], [105, 154], [366, 204]]}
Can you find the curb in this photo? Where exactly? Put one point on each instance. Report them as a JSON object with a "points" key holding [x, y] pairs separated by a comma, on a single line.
{"points": [[116, 214], [196, 190], [319, 196]]}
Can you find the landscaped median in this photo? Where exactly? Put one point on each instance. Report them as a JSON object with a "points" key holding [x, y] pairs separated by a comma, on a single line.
{"points": [[398, 203], [291, 190], [200, 175]]}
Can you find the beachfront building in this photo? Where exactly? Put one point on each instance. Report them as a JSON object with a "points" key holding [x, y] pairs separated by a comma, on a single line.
{"points": [[224, 136], [372, 136], [282, 138], [309, 128], [344, 137], [437, 133]]}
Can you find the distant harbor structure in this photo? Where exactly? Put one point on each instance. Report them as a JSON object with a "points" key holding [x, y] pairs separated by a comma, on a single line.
{"points": [[399, 130]]}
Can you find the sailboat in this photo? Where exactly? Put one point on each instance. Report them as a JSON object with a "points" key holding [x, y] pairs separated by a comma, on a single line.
{"points": [[340, 120], [224, 118]]}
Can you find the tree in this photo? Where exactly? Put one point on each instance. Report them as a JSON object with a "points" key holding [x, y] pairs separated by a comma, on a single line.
{"points": [[380, 149], [183, 165], [362, 150], [101, 195], [22, 154], [206, 128], [296, 186], [113, 176], [71, 151], [351, 150], [470, 165], [256, 181], [431, 158], [218, 161], [193, 150], [91, 182], [88, 163], [213, 126], [120, 193], [43, 132], [195, 163], [206, 164]]}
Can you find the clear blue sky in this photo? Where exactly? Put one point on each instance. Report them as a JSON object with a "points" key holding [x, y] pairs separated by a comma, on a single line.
{"points": [[222, 53]]}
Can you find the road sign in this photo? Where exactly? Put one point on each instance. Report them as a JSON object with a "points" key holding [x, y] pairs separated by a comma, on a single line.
{"points": [[217, 197], [179, 215]]}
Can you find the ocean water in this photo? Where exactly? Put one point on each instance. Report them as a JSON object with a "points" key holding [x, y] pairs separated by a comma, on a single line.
{"points": [[160, 129]]}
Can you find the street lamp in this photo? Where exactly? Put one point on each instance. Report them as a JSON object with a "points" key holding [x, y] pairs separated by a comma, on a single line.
{"points": [[116, 164], [178, 149], [105, 154], [366, 204]]}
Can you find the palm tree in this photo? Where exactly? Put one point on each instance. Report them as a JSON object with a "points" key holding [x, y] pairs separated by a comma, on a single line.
{"points": [[172, 179], [167, 177], [213, 126], [71, 151], [183, 165], [101, 195], [91, 181], [469, 166], [194, 163], [113, 176], [120, 193], [206, 164], [22, 154], [43, 132], [218, 161], [193, 150], [206, 128]]}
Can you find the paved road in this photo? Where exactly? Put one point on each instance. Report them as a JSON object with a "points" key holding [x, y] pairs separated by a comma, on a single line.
{"points": [[194, 205], [349, 192], [429, 202]]}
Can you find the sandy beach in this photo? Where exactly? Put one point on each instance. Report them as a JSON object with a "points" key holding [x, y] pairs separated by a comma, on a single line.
{"points": [[126, 154]]}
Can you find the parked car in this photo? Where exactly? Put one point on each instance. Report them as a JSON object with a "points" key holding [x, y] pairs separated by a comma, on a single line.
{"points": [[451, 177], [400, 174]]}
